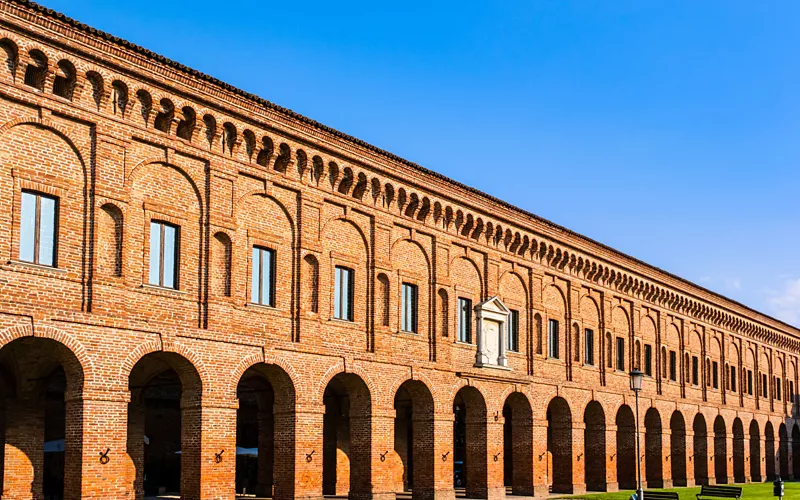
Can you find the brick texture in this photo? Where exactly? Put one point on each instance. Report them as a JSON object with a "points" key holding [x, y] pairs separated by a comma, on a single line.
{"points": [[113, 388]]}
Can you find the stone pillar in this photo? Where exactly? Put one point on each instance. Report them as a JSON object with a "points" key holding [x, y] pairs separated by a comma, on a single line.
{"points": [[578, 459], [763, 465], [709, 458], [307, 482], [23, 456], [208, 450], [690, 479], [382, 429], [523, 446], [477, 450], [747, 458], [611, 458], [666, 457], [495, 484], [543, 476], [729, 457], [443, 456], [97, 466]]}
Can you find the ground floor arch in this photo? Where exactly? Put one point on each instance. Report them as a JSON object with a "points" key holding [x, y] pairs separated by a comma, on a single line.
{"points": [[470, 442], [164, 415], [265, 430], [700, 456], [755, 452], [40, 384], [720, 451], [626, 448], [738, 451], [594, 444], [347, 437], [518, 444], [769, 450], [653, 449], [414, 439], [559, 444], [677, 452], [796, 451], [783, 451]]}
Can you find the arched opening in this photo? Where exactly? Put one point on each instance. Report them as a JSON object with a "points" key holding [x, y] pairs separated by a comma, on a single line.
{"points": [[36, 70], [796, 451], [518, 445], [163, 419], [265, 426], [594, 444], [559, 444], [65, 79], [652, 448], [677, 448], [119, 97], [720, 451], [700, 456], [164, 117], [187, 123], [626, 448], [413, 439], [346, 437], [738, 451], [769, 450], [755, 452], [310, 283], [469, 447], [783, 450], [40, 385]]}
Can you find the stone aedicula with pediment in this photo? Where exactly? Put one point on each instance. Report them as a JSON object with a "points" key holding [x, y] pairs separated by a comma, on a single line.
{"points": [[492, 334]]}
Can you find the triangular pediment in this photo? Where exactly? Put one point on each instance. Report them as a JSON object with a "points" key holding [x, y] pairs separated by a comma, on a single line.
{"points": [[494, 304]]}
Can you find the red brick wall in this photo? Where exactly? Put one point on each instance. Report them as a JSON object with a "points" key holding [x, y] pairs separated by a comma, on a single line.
{"points": [[234, 172]]}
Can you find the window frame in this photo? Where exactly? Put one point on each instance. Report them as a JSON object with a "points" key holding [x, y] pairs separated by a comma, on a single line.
{"points": [[464, 319], [588, 347], [620, 354], [733, 379], [259, 287], [648, 360], [673, 366], [37, 227], [715, 375], [162, 225], [338, 313], [513, 331], [553, 339], [695, 370], [411, 309]]}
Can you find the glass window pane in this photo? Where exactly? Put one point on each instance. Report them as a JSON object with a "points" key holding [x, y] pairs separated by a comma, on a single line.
{"points": [[169, 256], [27, 228], [47, 230], [254, 276], [266, 274], [347, 283], [155, 253]]}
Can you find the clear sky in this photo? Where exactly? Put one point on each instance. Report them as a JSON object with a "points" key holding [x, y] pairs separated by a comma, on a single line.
{"points": [[666, 129]]}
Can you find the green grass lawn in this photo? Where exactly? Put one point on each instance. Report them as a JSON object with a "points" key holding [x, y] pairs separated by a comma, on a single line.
{"points": [[761, 491]]}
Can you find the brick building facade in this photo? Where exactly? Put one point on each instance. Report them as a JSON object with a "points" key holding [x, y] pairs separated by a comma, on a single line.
{"points": [[205, 293]]}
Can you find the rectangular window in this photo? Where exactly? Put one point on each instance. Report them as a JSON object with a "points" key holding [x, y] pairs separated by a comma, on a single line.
{"points": [[409, 308], [673, 366], [695, 371], [588, 348], [714, 375], [343, 294], [791, 392], [750, 382], [648, 360], [464, 320], [513, 331], [263, 277], [778, 389], [552, 339], [764, 388], [733, 379], [620, 354], [164, 251], [37, 230]]}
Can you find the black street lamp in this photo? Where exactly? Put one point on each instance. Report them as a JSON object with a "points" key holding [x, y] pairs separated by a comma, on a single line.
{"points": [[637, 377]]}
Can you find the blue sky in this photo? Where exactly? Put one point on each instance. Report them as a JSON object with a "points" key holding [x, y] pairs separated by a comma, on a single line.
{"points": [[666, 129]]}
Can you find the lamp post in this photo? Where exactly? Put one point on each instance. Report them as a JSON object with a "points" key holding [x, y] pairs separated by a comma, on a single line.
{"points": [[637, 377]]}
